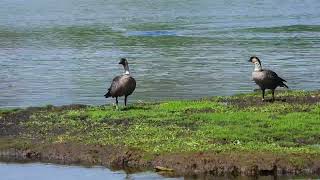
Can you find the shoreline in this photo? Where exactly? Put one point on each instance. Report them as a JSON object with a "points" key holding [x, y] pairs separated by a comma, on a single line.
{"points": [[174, 165], [166, 135]]}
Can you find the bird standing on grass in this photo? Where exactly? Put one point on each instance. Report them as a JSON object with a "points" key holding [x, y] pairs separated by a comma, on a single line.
{"points": [[266, 79], [122, 85]]}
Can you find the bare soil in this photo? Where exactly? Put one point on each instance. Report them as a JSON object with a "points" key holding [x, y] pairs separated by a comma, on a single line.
{"points": [[244, 102]]}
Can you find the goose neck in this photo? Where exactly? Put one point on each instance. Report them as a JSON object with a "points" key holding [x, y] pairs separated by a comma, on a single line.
{"points": [[257, 67], [126, 69]]}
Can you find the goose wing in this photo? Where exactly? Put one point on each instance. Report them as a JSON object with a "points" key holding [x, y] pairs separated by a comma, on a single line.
{"points": [[113, 87], [273, 76], [130, 85]]}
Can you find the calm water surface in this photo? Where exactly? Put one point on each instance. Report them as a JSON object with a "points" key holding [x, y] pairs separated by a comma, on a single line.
{"points": [[67, 52], [38, 171]]}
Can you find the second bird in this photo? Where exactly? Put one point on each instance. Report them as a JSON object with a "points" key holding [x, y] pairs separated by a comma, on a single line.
{"points": [[122, 85], [265, 79]]}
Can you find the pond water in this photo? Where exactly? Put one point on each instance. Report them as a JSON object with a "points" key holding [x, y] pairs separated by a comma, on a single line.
{"points": [[68, 52], [40, 171]]}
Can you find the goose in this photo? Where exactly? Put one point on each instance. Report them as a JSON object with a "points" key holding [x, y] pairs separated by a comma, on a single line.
{"points": [[266, 79], [122, 85]]}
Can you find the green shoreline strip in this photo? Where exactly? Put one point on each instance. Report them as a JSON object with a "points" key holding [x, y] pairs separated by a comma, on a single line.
{"points": [[217, 124]]}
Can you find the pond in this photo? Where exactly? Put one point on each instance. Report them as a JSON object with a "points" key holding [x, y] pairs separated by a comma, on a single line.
{"points": [[68, 52], [40, 171]]}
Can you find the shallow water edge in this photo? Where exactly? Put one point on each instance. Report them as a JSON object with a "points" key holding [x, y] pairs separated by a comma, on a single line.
{"points": [[189, 166]]}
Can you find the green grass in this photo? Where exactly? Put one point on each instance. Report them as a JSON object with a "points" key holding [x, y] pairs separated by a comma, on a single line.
{"points": [[207, 125]]}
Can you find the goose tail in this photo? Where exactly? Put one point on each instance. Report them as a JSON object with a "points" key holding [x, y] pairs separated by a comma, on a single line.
{"points": [[284, 85]]}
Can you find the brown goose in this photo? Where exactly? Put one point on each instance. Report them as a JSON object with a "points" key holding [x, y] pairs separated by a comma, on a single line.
{"points": [[265, 79], [122, 85]]}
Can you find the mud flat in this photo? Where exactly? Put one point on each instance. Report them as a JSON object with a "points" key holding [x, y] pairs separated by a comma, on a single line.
{"points": [[238, 135]]}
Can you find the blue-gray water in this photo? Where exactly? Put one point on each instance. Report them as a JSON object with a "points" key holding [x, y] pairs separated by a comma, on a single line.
{"points": [[38, 171], [67, 52]]}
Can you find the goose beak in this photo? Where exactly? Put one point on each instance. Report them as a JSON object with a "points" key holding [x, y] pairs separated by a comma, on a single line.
{"points": [[249, 60]]}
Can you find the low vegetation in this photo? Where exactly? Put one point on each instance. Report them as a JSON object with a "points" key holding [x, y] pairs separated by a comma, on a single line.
{"points": [[242, 123]]}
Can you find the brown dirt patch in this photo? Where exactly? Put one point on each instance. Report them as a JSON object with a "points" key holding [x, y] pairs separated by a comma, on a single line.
{"points": [[10, 121], [244, 102], [204, 110], [117, 122], [249, 164], [69, 153]]}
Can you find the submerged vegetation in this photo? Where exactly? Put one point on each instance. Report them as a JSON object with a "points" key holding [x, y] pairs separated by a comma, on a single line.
{"points": [[240, 123]]}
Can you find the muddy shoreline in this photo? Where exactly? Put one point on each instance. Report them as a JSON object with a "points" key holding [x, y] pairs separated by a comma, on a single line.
{"points": [[50, 134], [182, 164]]}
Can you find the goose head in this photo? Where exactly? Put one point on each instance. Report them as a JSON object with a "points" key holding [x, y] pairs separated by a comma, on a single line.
{"points": [[255, 60], [123, 61], [257, 63]]}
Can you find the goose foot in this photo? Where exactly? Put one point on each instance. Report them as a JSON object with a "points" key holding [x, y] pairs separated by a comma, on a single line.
{"points": [[115, 106]]}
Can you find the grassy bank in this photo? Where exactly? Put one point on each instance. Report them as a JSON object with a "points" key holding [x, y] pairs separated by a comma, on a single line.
{"points": [[239, 124]]}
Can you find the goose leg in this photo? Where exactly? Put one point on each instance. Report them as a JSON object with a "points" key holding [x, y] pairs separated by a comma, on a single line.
{"points": [[263, 92], [272, 90], [117, 102], [125, 100]]}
